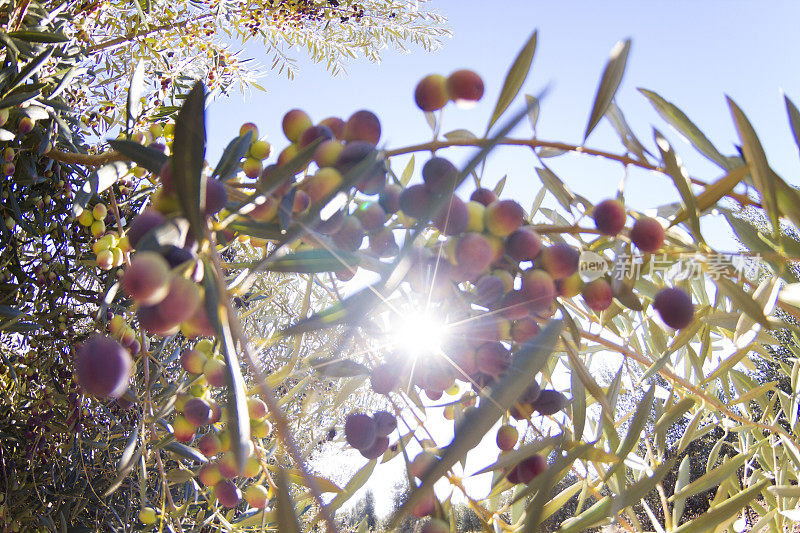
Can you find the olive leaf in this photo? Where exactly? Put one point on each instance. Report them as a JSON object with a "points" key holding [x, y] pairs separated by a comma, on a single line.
{"points": [[514, 80], [609, 83]]}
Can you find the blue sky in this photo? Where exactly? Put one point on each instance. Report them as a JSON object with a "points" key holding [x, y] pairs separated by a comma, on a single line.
{"points": [[693, 53]]}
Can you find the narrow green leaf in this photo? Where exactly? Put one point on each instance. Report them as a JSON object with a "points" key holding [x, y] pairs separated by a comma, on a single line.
{"points": [[36, 112], [684, 471], [629, 140], [499, 187], [229, 161], [352, 308], [31, 68], [591, 516], [117, 482], [134, 106], [794, 119], [460, 135], [533, 113], [307, 262], [717, 514], [18, 98], [669, 418], [189, 149], [270, 231], [678, 120], [578, 404], [63, 83], [690, 433], [560, 500], [33, 36], [714, 192], [238, 423], [337, 368], [100, 180], [609, 83], [514, 79], [635, 429], [355, 483], [748, 234], [675, 170], [634, 493], [185, 451], [407, 172], [757, 161], [790, 294], [785, 491], [607, 506], [742, 301], [152, 160], [556, 187], [712, 478], [296, 476], [127, 460], [284, 507]]}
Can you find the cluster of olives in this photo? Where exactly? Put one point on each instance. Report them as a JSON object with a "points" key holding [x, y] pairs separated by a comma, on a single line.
{"points": [[198, 409], [464, 87], [257, 152], [341, 146], [370, 434], [123, 332], [674, 305]]}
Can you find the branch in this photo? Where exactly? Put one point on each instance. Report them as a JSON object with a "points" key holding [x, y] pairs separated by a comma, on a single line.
{"points": [[87, 160], [119, 41], [624, 159]]}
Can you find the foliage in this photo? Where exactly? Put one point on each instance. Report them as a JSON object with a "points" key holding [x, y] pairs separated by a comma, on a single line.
{"points": [[249, 261], [188, 40]]}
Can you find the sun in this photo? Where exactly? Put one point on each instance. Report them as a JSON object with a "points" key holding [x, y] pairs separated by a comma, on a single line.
{"points": [[418, 333]]}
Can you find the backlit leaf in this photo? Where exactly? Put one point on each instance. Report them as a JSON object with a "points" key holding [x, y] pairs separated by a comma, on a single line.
{"points": [[685, 127], [189, 150], [514, 79], [609, 83], [757, 161]]}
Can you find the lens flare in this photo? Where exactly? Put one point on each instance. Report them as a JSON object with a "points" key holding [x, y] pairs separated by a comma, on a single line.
{"points": [[419, 333]]}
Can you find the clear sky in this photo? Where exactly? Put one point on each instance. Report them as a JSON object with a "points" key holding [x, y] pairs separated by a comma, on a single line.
{"points": [[693, 53]]}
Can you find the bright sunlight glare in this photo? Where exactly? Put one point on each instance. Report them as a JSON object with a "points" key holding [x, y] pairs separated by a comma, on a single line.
{"points": [[419, 333]]}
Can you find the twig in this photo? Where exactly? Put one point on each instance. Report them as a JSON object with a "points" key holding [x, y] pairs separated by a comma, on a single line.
{"points": [[88, 160], [624, 159]]}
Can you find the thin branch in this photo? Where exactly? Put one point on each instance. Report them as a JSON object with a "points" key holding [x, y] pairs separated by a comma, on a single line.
{"points": [[87, 160], [624, 159]]}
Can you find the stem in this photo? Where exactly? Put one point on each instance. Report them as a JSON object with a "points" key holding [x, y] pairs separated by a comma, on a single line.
{"points": [[87, 160], [536, 143], [532, 143]]}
